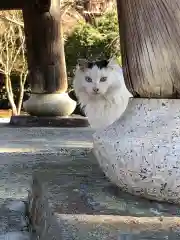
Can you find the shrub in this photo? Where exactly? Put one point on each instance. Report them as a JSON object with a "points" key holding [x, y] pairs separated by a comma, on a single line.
{"points": [[97, 41]]}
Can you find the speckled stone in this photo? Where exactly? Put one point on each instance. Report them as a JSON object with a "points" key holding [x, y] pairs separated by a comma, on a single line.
{"points": [[140, 152]]}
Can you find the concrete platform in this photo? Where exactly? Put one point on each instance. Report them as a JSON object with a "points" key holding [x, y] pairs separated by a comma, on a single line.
{"points": [[72, 199], [50, 140], [63, 122], [23, 151]]}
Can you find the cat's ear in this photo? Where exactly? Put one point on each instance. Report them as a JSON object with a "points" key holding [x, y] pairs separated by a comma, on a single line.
{"points": [[113, 63], [82, 64]]}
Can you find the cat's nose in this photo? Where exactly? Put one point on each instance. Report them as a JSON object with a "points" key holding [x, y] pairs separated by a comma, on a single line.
{"points": [[96, 90]]}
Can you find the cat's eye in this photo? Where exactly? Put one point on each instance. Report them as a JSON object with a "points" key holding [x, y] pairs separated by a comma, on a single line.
{"points": [[88, 79], [103, 79]]}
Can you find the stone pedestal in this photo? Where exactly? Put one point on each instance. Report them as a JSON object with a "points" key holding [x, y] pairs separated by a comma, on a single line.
{"points": [[49, 110], [57, 104], [140, 152]]}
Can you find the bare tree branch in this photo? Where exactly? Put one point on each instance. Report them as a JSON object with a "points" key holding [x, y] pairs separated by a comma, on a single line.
{"points": [[11, 21], [12, 55]]}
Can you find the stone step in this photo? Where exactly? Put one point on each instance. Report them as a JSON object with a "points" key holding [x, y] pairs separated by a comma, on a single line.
{"points": [[15, 180], [13, 220], [68, 185], [72, 199], [23, 151], [66, 141]]}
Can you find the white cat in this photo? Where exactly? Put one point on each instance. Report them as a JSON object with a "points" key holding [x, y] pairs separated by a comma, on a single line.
{"points": [[101, 91]]}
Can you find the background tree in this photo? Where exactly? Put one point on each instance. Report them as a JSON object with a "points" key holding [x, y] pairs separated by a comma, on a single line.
{"points": [[12, 55]]}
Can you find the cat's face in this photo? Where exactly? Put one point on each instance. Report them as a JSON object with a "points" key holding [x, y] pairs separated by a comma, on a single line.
{"points": [[96, 78]]}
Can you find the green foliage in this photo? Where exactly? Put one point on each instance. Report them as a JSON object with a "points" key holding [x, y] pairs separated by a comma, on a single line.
{"points": [[97, 41]]}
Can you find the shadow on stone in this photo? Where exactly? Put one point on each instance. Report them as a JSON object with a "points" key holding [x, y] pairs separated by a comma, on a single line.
{"points": [[63, 122]]}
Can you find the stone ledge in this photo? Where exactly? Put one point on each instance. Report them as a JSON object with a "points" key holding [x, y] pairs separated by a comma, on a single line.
{"points": [[73, 200], [44, 142], [63, 122], [42, 219]]}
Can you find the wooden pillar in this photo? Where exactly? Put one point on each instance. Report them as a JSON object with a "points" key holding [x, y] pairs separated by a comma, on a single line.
{"points": [[43, 38], [45, 55], [150, 46]]}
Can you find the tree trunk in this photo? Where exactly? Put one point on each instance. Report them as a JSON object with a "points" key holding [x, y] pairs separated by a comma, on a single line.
{"points": [[150, 45], [44, 44], [10, 95], [20, 100]]}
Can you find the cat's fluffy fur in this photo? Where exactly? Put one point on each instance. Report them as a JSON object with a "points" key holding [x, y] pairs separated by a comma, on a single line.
{"points": [[105, 106]]}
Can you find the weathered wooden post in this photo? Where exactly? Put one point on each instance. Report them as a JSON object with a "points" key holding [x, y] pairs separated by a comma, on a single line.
{"points": [[47, 73], [150, 47], [140, 151], [44, 44]]}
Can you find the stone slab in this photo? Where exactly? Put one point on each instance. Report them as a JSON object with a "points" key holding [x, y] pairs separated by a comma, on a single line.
{"points": [[23, 151], [67, 141], [13, 222], [72, 199], [63, 122], [14, 184], [60, 158]]}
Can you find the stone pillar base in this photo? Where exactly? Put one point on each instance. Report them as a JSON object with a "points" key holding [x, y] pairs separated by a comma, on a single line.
{"points": [[63, 122], [55, 104], [140, 152]]}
